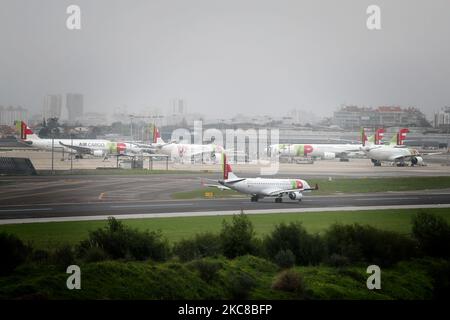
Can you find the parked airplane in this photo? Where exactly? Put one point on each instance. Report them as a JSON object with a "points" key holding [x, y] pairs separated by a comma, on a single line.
{"points": [[325, 151], [183, 151], [260, 188], [80, 147], [395, 152]]}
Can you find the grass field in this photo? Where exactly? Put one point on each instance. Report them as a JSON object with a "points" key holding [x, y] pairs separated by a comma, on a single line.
{"points": [[334, 186], [49, 235]]}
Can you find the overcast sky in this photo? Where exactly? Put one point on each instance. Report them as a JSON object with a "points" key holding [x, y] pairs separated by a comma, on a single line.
{"points": [[226, 56]]}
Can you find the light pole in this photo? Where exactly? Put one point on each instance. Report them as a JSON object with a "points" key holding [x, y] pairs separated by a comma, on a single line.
{"points": [[71, 155], [53, 147]]}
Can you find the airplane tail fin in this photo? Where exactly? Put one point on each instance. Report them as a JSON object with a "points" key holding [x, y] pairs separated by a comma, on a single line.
{"points": [[157, 135], [379, 134], [363, 136], [401, 136], [25, 132], [227, 170]]}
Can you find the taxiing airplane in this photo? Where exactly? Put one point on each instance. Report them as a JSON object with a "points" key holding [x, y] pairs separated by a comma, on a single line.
{"points": [[260, 188]]}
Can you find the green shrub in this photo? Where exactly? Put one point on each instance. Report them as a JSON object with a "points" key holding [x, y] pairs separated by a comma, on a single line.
{"points": [[284, 259], [432, 233], [63, 256], [202, 245], [207, 270], [40, 256], [95, 254], [369, 245], [121, 242], [13, 252], [238, 238], [240, 285], [307, 248], [289, 281], [337, 261]]}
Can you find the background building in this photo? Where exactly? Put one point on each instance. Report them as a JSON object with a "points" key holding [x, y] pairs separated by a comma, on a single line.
{"points": [[442, 118], [351, 117], [74, 105], [10, 114], [52, 106]]}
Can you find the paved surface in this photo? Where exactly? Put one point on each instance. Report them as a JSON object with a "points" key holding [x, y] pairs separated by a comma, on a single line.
{"points": [[162, 207], [320, 168], [42, 197]]}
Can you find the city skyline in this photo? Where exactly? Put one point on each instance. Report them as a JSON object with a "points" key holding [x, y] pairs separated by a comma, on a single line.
{"points": [[227, 58]]}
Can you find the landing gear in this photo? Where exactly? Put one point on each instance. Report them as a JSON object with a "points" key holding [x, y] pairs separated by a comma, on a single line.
{"points": [[254, 198], [376, 163], [278, 200]]}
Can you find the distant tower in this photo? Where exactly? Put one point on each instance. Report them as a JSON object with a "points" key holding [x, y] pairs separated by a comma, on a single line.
{"points": [[74, 105], [52, 106], [179, 106]]}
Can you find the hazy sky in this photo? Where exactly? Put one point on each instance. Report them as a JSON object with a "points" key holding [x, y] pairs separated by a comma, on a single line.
{"points": [[226, 56]]}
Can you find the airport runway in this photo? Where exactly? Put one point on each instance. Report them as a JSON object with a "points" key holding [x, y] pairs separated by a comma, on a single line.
{"points": [[52, 198], [50, 211]]}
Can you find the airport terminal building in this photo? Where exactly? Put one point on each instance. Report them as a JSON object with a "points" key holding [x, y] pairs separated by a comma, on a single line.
{"points": [[354, 117]]}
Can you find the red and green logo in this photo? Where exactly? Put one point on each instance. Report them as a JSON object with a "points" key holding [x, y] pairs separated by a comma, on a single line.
{"points": [[296, 184]]}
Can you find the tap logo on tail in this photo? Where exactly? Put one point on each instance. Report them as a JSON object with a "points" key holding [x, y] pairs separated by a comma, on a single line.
{"points": [[401, 136]]}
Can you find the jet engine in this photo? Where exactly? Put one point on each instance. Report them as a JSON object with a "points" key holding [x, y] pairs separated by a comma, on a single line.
{"points": [[328, 156], [417, 161], [295, 195], [98, 153]]}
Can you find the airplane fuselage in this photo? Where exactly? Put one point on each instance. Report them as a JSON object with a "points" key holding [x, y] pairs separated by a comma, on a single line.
{"points": [[265, 187], [324, 151]]}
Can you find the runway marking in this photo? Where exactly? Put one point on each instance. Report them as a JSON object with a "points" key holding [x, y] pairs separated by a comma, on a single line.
{"points": [[152, 205], [30, 209], [376, 198], [215, 213]]}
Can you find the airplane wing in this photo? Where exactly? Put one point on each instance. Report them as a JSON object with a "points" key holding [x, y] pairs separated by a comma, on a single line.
{"points": [[76, 148]]}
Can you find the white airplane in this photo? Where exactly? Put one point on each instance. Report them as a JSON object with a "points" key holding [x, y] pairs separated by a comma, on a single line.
{"points": [[260, 188], [183, 151], [94, 147], [326, 151], [395, 152]]}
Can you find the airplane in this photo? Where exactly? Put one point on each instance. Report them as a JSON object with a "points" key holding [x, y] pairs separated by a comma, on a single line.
{"points": [[182, 151], [79, 147], [395, 152], [326, 151], [260, 188]]}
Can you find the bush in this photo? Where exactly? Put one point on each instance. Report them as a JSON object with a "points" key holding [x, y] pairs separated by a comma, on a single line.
{"points": [[284, 259], [207, 270], [240, 285], [13, 253], [63, 256], [307, 248], [289, 281], [369, 245], [432, 233], [337, 261], [202, 245], [238, 238], [40, 256], [119, 242], [95, 254]]}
